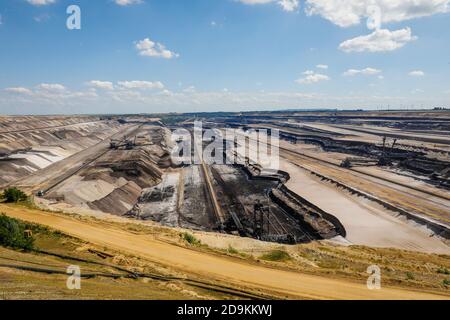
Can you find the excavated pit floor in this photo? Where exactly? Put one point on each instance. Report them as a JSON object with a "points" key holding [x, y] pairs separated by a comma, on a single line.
{"points": [[182, 200]]}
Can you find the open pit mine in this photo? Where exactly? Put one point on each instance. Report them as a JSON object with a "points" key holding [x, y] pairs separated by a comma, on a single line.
{"points": [[361, 178]]}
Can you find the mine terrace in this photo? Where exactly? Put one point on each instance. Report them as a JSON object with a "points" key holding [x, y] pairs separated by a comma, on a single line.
{"points": [[379, 179]]}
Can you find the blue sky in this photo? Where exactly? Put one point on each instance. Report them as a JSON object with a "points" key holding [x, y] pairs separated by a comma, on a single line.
{"points": [[222, 55]]}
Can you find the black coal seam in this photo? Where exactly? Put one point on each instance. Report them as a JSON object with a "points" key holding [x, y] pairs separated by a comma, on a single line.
{"points": [[282, 181]]}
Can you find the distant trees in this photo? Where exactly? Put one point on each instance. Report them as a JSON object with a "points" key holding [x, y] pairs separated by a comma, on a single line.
{"points": [[13, 195]]}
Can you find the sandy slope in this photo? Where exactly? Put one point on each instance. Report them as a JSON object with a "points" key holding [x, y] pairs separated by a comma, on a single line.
{"points": [[214, 267], [366, 223]]}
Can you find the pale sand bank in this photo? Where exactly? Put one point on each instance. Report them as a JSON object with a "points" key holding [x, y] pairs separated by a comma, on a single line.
{"points": [[366, 222]]}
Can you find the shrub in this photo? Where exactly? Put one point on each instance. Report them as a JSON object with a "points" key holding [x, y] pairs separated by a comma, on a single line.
{"points": [[14, 195], [443, 271], [276, 255], [446, 282], [12, 234], [189, 238], [409, 276], [232, 250]]}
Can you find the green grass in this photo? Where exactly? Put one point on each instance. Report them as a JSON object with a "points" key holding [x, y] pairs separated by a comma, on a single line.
{"points": [[410, 276], [232, 250], [191, 239], [443, 270], [276, 255]]}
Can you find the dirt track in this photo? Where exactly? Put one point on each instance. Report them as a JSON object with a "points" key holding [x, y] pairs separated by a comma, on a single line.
{"points": [[215, 268]]}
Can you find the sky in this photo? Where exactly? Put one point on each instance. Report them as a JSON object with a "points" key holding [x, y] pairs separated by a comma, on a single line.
{"points": [[147, 56]]}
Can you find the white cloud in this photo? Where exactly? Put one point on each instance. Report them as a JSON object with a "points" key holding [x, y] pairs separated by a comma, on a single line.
{"points": [[190, 89], [311, 77], [51, 87], [149, 48], [48, 95], [166, 92], [380, 40], [42, 17], [366, 71], [19, 90], [416, 73], [127, 2], [322, 66], [136, 84], [289, 5], [1, 20], [41, 2], [104, 85], [350, 12], [346, 13], [137, 101], [126, 85], [286, 5]]}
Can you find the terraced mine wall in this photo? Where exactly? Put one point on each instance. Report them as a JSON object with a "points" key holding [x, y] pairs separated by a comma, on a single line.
{"points": [[294, 200], [182, 200], [312, 223], [317, 223], [116, 177], [30, 144], [412, 161], [138, 169], [438, 229], [337, 117]]}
